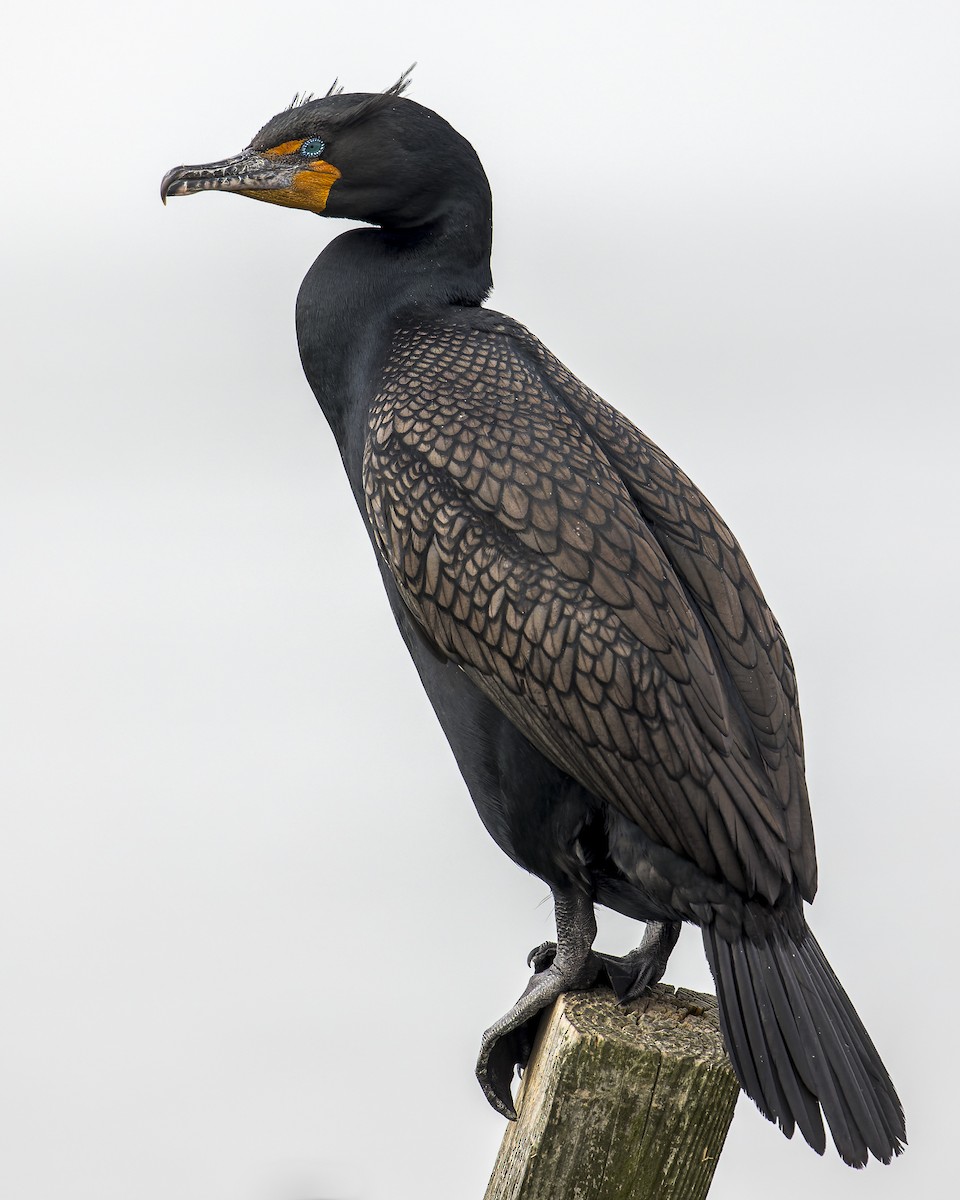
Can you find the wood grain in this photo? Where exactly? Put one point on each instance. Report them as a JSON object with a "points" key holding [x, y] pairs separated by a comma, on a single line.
{"points": [[620, 1103]]}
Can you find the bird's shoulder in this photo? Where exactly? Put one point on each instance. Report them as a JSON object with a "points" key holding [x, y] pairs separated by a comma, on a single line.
{"points": [[466, 423]]}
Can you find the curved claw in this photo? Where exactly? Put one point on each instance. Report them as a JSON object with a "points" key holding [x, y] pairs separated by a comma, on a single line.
{"points": [[542, 956]]}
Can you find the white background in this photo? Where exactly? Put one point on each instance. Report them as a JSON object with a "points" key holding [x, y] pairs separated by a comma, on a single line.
{"points": [[251, 926]]}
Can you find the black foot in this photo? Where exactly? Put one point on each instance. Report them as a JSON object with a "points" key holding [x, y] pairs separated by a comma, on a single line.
{"points": [[631, 975], [506, 1046]]}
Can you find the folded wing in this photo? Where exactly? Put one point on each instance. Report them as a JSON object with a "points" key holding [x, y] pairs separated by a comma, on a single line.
{"points": [[592, 593]]}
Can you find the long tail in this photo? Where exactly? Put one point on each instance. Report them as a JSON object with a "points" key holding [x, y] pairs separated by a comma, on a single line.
{"points": [[798, 1046]]}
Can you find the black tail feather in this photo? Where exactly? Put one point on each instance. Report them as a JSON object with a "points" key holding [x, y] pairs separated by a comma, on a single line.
{"points": [[798, 1046], [799, 1099]]}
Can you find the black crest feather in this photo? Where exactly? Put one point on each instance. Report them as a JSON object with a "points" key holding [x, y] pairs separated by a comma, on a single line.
{"points": [[305, 111], [372, 103], [299, 99]]}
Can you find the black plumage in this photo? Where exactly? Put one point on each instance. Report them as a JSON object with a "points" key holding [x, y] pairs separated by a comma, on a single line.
{"points": [[618, 695]]}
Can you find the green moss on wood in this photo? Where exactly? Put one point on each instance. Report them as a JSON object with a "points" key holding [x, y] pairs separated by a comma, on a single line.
{"points": [[620, 1103]]}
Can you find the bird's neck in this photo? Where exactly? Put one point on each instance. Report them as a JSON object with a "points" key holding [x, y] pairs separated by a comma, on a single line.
{"points": [[365, 285]]}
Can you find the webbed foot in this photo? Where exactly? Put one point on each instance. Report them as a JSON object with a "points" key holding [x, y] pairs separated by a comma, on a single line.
{"points": [[631, 974], [567, 966], [507, 1044]]}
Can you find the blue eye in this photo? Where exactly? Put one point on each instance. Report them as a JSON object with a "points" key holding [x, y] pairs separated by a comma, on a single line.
{"points": [[312, 148]]}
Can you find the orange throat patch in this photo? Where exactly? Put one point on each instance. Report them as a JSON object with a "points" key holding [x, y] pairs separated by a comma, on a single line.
{"points": [[310, 188]]}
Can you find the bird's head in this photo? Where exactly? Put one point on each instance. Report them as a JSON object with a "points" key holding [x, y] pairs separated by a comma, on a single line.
{"points": [[374, 157]]}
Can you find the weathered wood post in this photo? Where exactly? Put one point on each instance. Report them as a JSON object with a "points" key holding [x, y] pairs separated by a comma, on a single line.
{"points": [[620, 1103]]}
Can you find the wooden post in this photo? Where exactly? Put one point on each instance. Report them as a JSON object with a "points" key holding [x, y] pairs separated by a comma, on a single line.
{"points": [[620, 1103]]}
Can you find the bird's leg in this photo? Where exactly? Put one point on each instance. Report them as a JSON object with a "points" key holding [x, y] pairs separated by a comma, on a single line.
{"points": [[632, 974], [508, 1042]]}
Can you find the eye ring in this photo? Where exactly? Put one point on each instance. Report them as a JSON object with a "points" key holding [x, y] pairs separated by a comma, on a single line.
{"points": [[312, 148]]}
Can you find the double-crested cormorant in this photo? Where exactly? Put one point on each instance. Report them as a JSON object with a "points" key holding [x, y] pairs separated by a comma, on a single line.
{"points": [[617, 693]]}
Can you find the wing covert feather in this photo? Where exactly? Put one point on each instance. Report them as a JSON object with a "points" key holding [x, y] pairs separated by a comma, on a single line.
{"points": [[535, 560]]}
